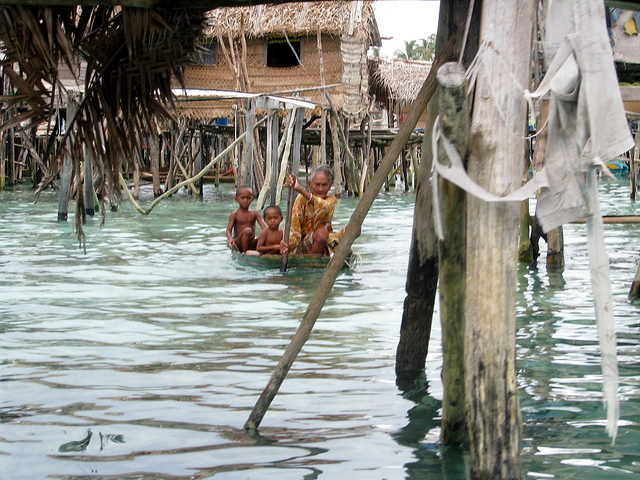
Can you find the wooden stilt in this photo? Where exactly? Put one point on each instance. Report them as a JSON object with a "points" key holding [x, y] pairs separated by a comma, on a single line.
{"points": [[405, 178], [154, 162], [249, 144], [555, 249], [275, 129], [89, 202], [297, 142], [337, 156], [200, 160], [634, 292], [323, 114], [11, 157], [286, 153], [66, 173], [633, 168], [3, 161], [271, 150], [454, 120], [524, 250], [494, 419]]}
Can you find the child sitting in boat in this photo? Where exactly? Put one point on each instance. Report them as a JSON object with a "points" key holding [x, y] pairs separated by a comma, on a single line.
{"points": [[269, 239], [241, 230]]}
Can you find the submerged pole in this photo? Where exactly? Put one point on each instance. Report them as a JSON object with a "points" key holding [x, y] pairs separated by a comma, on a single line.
{"points": [[494, 419], [66, 173], [454, 120], [422, 273]]}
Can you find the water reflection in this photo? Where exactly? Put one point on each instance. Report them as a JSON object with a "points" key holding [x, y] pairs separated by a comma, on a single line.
{"points": [[144, 356]]}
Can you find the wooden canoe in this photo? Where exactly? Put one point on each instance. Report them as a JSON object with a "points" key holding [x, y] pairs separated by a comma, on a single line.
{"points": [[254, 259]]}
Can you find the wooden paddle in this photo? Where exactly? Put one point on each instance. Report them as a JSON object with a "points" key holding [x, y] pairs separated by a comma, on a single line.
{"points": [[287, 227]]}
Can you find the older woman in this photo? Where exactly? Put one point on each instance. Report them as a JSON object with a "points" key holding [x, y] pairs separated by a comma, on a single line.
{"points": [[311, 230]]}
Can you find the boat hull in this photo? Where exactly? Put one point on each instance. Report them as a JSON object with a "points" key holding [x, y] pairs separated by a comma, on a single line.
{"points": [[252, 258]]}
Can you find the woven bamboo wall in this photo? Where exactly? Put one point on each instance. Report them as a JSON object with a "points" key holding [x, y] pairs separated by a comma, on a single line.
{"points": [[344, 62]]}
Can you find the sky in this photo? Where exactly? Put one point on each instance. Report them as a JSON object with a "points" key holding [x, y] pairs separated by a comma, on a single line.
{"points": [[405, 20]]}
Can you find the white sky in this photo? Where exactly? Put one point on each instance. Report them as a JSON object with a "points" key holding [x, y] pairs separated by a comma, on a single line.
{"points": [[405, 20]]}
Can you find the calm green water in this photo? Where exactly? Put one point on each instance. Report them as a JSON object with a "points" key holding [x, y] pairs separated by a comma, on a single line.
{"points": [[142, 358]]}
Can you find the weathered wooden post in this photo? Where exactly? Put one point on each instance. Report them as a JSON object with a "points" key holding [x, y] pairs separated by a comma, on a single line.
{"points": [[337, 156], [422, 273], [89, 204], [454, 121], [66, 173], [555, 237], [494, 420], [633, 168], [154, 162], [249, 144], [274, 133], [634, 292], [200, 160]]}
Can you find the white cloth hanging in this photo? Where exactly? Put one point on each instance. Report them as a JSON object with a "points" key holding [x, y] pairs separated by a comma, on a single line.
{"points": [[586, 127]]}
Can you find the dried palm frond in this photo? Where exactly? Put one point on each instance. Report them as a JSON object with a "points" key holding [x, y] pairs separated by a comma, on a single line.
{"points": [[298, 18], [131, 54]]}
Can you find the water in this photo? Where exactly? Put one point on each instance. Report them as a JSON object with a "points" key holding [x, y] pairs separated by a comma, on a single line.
{"points": [[142, 358]]}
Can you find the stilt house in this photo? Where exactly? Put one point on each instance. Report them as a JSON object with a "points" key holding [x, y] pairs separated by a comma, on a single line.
{"points": [[284, 48]]}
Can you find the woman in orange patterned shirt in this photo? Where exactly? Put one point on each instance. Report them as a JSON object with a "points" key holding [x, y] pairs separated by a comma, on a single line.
{"points": [[311, 230]]}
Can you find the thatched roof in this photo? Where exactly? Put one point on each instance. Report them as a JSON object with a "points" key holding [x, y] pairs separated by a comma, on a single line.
{"points": [[352, 18], [401, 78], [130, 55]]}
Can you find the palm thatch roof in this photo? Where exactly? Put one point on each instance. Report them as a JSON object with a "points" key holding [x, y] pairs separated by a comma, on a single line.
{"points": [[131, 55], [350, 18], [402, 79]]}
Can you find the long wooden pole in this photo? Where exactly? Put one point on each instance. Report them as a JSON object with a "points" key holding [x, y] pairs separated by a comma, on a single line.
{"points": [[454, 120], [287, 229], [351, 233], [298, 118], [422, 270], [494, 420]]}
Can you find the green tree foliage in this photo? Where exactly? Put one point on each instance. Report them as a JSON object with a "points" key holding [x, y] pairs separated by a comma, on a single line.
{"points": [[422, 49]]}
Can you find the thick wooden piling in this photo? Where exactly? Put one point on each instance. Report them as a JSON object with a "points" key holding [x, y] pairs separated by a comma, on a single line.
{"points": [[454, 120], [634, 292], [249, 143], [275, 152], [89, 203], [633, 167], [154, 162], [494, 420], [337, 156], [66, 173], [422, 272]]}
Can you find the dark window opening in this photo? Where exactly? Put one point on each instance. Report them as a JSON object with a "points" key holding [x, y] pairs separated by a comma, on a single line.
{"points": [[283, 53], [206, 52]]}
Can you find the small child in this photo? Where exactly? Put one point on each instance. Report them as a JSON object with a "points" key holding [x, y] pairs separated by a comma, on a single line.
{"points": [[269, 239], [241, 230]]}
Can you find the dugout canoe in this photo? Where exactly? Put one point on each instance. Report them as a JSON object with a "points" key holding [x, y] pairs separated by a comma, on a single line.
{"points": [[254, 259]]}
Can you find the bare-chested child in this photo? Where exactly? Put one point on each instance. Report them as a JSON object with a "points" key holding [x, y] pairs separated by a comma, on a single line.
{"points": [[241, 230], [269, 239]]}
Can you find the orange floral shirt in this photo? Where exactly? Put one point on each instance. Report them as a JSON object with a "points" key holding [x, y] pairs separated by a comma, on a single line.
{"points": [[307, 216]]}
